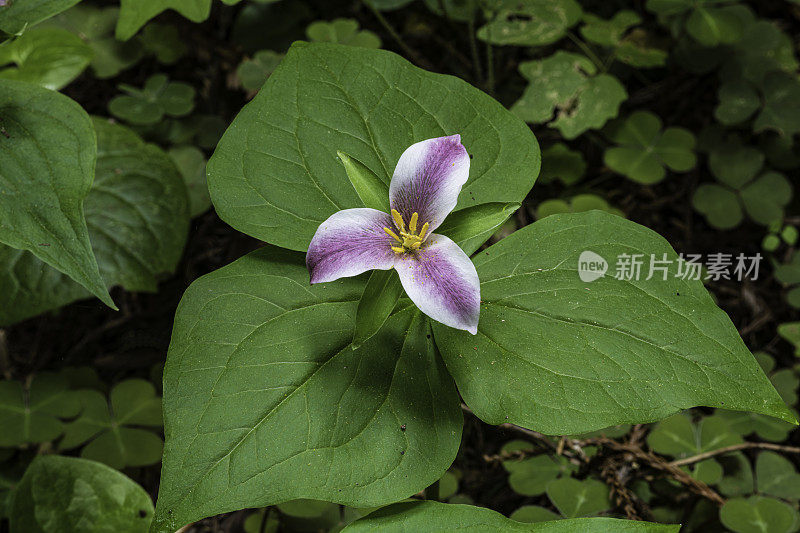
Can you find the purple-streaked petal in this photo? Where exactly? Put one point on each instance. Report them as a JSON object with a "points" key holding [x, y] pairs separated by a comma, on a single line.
{"points": [[350, 242], [428, 179], [442, 282]]}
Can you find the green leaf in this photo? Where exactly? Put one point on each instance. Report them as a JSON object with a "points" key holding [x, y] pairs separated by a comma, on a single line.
{"points": [[735, 164], [712, 26], [767, 428], [15, 16], [719, 205], [608, 32], [49, 57], [164, 42], [149, 105], [782, 104], [261, 383], [33, 414], [373, 192], [429, 516], [738, 100], [108, 426], [644, 149], [138, 220], [737, 475], [135, 13], [47, 153], [550, 348], [275, 174], [65, 494], [530, 477], [380, 297], [471, 227], [389, 5], [677, 436], [765, 198], [560, 162], [342, 31], [191, 163], [776, 476], [790, 331], [575, 498], [577, 204], [530, 22], [566, 86], [758, 515], [533, 513], [254, 72]]}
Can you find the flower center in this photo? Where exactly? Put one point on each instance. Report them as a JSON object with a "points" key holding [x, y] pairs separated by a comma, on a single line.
{"points": [[408, 241]]}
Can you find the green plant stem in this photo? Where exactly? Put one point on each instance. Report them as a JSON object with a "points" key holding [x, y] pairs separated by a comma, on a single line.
{"points": [[586, 50], [396, 36]]}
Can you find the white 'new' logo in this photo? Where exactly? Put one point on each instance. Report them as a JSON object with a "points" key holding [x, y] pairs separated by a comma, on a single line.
{"points": [[591, 266]]}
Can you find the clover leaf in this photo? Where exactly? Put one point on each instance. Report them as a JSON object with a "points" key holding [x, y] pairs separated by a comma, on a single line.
{"points": [[565, 91], [737, 477], [679, 437], [159, 97], [707, 22], [110, 426], [533, 513], [781, 104], [738, 100], [342, 31], [34, 414], [164, 42], [643, 149], [574, 498], [789, 275], [562, 163], [531, 476], [777, 476], [758, 515], [630, 47], [790, 331], [50, 57], [741, 188], [530, 22], [253, 73], [577, 204]]}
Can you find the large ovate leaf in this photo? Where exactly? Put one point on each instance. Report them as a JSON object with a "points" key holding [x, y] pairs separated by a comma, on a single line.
{"points": [[65, 495], [15, 16], [265, 400], [47, 159], [562, 356], [430, 516], [138, 218], [275, 173], [134, 14]]}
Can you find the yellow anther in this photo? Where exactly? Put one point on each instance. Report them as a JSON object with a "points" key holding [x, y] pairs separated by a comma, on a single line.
{"points": [[393, 234], [412, 225], [416, 245], [424, 230], [398, 249], [398, 220]]}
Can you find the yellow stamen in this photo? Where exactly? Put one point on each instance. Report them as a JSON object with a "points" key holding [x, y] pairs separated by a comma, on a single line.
{"points": [[398, 220], [393, 234], [410, 241]]}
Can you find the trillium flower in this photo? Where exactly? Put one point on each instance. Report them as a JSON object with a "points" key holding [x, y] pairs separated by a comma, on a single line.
{"points": [[436, 274]]}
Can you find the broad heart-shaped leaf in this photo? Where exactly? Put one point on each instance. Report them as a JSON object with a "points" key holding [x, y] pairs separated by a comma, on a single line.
{"points": [[34, 415], [380, 297], [14, 16], [47, 157], [65, 494], [530, 22], [50, 57], [265, 400], [135, 13], [471, 227], [138, 220], [566, 86], [275, 173], [430, 516], [561, 356]]}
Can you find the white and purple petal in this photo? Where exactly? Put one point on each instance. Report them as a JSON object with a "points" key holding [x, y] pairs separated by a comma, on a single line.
{"points": [[350, 242], [428, 179], [441, 280]]}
